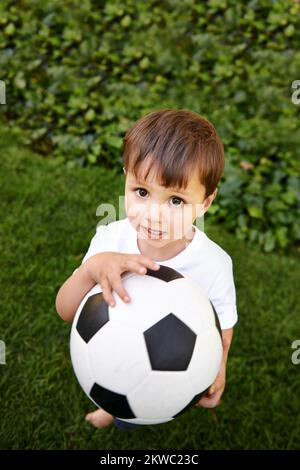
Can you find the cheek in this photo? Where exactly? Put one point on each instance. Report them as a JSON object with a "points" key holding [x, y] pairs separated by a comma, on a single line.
{"points": [[181, 221], [190, 214], [186, 216], [133, 208]]}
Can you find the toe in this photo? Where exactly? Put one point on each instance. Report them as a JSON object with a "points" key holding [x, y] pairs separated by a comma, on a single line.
{"points": [[99, 418]]}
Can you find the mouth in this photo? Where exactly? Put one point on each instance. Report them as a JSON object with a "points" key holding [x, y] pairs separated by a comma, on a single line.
{"points": [[152, 233]]}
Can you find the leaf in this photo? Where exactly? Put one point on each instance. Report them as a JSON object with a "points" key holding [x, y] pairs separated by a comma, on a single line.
{"points": [[144, 63], [10, 29], [19, 81], [90, 115], [289, 30], [214, 208], [126, 21], [255, 212], [269, 243], [281, 235], [288, 197], [114, 141]]}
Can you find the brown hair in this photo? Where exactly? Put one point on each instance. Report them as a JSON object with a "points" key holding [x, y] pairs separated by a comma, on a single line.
{"points": [[179, 142]]}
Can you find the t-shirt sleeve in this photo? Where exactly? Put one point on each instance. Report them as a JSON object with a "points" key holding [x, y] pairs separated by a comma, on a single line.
{"points": [[223, 295], [98, 244]]}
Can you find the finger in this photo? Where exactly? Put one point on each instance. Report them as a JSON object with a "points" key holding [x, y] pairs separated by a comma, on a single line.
{"points": [[136, 267], [140, 264], [208, 403], [107, 292], [147, 262], [118, 287], [205, 399], [216, 389]]}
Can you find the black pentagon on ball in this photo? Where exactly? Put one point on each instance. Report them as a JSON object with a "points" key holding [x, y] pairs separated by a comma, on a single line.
{"points": [[114, 403], [93, 316], [170, 344], [164, 273]]}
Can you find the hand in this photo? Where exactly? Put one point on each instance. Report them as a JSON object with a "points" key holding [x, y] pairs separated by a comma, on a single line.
{"points": [[213, 396], [106, 269]]}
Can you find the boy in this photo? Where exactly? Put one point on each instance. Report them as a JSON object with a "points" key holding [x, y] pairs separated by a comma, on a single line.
{"points": [[170, 155]]}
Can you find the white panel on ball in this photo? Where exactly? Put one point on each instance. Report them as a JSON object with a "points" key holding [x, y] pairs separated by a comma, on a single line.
{"points": [[81, 362], [189, 302], [147, 303], [118, 357], [206, 359], [161, 394]]}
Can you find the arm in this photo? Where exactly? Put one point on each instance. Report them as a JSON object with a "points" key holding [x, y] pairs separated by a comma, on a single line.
{"points": [[213, 396], [226, 339], [72, 292], [104, 268]]}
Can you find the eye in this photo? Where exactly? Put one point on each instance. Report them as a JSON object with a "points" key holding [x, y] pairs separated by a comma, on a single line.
{"points": [[178, 199], [140, 189], [141, 193]]}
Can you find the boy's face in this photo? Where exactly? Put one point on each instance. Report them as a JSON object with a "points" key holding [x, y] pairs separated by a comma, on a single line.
{"points": [[172, 212]]}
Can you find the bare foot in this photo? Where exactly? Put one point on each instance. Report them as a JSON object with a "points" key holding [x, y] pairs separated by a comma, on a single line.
{"points": [[99, 418]]}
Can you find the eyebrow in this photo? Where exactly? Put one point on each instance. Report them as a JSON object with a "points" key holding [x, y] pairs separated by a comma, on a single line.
{"points": [[171, 190]]}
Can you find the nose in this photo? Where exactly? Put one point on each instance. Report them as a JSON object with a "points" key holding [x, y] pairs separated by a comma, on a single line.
{"points": [[155, 216]]}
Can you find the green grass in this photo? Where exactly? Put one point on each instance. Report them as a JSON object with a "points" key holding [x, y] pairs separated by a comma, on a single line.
{"points": [[48, 218]]}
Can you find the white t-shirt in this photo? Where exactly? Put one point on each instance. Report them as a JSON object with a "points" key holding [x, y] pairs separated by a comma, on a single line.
{"points": [[202, 260]]}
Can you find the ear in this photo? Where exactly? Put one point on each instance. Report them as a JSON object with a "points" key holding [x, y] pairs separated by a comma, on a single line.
{"points": [[124, 169], [209, 200]]}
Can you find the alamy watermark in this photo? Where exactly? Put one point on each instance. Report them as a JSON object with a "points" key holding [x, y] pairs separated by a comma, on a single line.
{"points": [[2, 353], [157, 214], [2, 92], [296, 354]]}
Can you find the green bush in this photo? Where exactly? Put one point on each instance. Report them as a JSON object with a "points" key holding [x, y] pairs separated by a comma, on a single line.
{"points": [[78, 73]]}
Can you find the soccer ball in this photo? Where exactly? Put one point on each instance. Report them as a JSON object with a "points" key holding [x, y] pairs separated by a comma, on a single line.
{"points": [[150, 360]]}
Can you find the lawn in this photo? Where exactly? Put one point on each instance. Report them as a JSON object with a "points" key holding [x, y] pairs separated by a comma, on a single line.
{"points": [[48, 218]]}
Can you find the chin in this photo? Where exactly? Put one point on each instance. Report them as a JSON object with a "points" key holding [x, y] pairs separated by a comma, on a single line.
{"points": [[160, 242]]}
